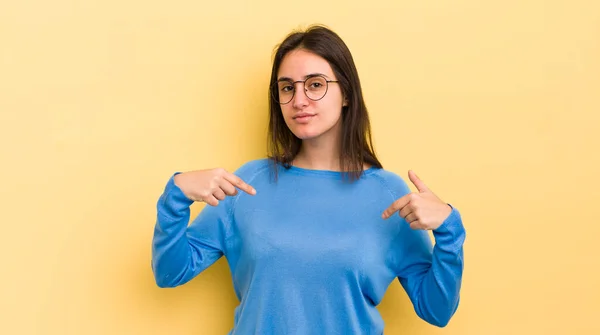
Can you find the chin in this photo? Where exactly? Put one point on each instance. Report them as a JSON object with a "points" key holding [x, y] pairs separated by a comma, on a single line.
{"points": [[309, 132], [305, 134]]}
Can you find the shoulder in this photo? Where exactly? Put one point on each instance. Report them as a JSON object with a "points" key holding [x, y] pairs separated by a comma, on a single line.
{"points": [[252, 168], [392, 182]]}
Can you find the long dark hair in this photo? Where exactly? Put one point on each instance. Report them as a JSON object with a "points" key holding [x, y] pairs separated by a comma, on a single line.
{"points": [[356, 143]]}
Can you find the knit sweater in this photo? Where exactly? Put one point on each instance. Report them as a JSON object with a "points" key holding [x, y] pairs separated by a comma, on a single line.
{"points": [[310, 252]]}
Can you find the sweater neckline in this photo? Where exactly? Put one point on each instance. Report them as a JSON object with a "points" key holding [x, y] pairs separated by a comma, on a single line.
{"points": [[323, 173]]}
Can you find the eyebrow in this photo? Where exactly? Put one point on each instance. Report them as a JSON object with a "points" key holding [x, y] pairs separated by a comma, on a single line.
{"points": [[305, 77]]}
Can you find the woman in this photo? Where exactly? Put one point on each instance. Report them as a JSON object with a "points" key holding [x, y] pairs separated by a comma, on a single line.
{"points": [[320, 229]]}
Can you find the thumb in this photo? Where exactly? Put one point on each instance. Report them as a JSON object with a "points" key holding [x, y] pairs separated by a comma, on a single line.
{"points": [[417, 181]]}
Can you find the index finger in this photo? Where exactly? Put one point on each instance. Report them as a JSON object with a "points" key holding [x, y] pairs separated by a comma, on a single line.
{"points": [[396, 206], [239, 183]]}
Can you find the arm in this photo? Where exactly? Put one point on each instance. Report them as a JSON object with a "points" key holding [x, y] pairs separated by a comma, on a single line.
{"points": [[179, 252], [432, 277]]}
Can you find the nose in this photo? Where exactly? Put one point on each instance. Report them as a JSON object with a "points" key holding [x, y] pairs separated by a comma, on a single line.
{"points": [[300, 99]]}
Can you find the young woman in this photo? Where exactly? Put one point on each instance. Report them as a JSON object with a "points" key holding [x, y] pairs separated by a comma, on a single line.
{"points": [[320, 229]]}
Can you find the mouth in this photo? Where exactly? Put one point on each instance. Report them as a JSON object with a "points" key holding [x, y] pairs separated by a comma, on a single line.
{"points": [[303, 116]]}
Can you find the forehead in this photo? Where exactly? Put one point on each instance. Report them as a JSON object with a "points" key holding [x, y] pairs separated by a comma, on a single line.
{"points": [[299, 63]]}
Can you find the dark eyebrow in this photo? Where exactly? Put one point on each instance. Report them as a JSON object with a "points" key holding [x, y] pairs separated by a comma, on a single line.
{"points": [[305, 77]]}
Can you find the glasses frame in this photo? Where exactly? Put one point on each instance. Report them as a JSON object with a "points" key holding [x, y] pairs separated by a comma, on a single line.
{"points": [[275, 88]]}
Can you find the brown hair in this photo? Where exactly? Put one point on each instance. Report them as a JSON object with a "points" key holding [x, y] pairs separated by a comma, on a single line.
{"points": [[356, 143]]}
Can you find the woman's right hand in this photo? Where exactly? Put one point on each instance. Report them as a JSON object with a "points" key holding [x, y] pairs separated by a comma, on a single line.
{"points": [[211, 185]]}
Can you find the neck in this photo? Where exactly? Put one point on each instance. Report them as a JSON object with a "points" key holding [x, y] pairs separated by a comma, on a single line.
{"points": [[318, 154]]}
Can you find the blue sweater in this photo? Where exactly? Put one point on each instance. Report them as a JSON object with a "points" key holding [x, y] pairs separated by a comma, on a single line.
{"points": [[310, 253]]}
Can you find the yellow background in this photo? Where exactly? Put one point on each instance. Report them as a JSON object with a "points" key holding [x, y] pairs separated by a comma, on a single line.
{"points": [[496, 105]]}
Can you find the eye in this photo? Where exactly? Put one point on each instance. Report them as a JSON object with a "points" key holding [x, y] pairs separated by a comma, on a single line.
{"points": [[286, 88], [316, 84]]}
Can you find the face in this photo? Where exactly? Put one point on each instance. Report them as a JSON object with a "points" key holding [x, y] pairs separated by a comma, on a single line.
{"points": [[306, 118]]}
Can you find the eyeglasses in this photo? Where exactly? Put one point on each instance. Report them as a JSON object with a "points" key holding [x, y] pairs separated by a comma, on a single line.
{"points": [[315, 88]]}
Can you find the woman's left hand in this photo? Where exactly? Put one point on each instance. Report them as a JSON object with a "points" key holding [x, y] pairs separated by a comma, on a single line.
{"points": [[422, 209]]}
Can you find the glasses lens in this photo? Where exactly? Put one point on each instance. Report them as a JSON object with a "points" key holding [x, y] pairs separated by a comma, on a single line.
{"points": [[316, 87], [283, 91]]}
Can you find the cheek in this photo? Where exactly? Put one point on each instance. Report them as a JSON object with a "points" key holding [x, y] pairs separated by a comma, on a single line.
{"points": [[334, 118], [335, 102], [332, 109], [287, 111]]}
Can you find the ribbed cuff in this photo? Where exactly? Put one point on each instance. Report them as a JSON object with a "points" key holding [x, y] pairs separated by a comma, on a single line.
{"points": [[173, 197], [453, 225]]}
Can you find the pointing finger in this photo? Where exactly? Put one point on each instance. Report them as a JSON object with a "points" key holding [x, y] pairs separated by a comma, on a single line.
{"points": [[396, 206], [239, 183]]}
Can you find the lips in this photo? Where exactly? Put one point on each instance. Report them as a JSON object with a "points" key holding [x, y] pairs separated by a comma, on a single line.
{"points": [[302, 116]]}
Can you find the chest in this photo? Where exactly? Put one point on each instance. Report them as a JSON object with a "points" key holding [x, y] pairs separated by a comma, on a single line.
{"points": [[342, 234]]}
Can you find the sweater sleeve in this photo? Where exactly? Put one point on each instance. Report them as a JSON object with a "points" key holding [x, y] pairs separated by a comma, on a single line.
{"points": [[431, 274], [432, 278], [180, 252]]}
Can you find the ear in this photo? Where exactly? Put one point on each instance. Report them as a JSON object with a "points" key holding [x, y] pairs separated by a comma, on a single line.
{"points": [[345, 103]]}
